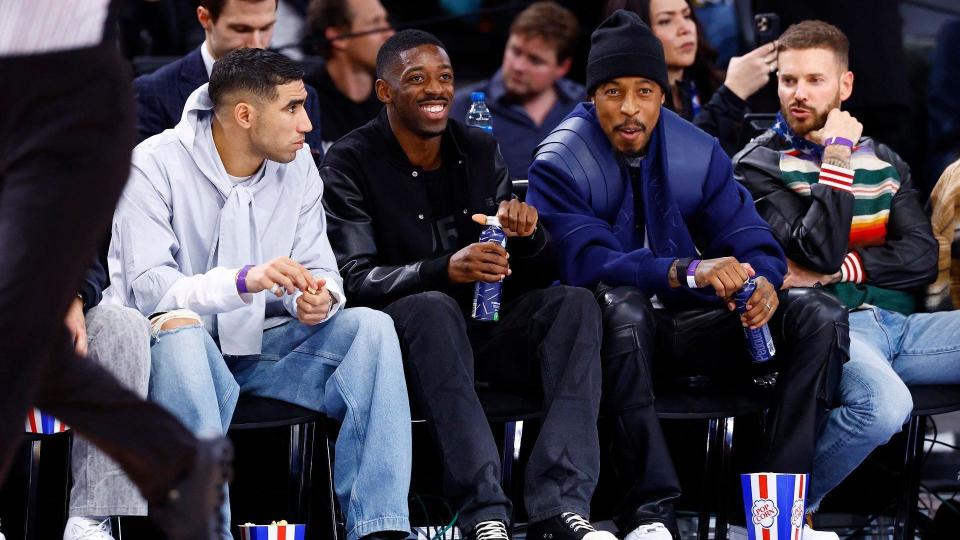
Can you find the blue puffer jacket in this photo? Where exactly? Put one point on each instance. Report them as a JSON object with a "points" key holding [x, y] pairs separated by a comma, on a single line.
{"points": [[692, 206]]}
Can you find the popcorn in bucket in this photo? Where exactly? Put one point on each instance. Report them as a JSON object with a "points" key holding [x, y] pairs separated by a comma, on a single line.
{"points": [[774, 504], [44, 424], [275, 531]]}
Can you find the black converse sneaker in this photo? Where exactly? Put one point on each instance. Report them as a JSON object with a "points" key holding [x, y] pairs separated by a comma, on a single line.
{"points": [[489, 530], [566, 526]]}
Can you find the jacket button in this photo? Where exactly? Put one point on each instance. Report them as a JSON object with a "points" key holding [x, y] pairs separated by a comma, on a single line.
{"points": [[419, 216], [464, 210], [459, 162], [414, 174]]}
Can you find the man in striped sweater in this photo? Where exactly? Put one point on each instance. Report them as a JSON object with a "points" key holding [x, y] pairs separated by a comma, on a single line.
{"points": [[850, 221]]}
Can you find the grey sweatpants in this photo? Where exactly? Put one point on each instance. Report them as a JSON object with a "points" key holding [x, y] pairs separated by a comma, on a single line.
{"points": [[119, 340]]}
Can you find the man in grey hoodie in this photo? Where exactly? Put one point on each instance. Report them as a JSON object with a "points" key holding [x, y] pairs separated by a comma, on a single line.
{"points": [[220, 239]]}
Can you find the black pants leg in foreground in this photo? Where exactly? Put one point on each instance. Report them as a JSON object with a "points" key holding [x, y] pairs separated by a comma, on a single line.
{"points": [[66, 132]]}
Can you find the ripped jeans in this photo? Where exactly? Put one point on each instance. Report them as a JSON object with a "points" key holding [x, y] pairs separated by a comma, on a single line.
{"points": [[348, 368]]}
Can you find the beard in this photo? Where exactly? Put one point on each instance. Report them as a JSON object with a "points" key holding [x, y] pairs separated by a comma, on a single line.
{"points": [[816, 121]]}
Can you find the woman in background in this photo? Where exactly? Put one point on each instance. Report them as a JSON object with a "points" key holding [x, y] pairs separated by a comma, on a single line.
{"points": [[699, 91]]}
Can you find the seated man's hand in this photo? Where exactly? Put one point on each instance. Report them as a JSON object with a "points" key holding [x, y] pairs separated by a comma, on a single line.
{"points": [[516, 218], [726, 275], [761, 305], [314, 305], [77, 326], [481, 261], [839, 124], [799, 276], [283, 271]]}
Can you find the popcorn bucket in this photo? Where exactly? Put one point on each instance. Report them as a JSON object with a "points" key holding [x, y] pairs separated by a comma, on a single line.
{"points": [[44, 424], [774, 504], [276, 531]]}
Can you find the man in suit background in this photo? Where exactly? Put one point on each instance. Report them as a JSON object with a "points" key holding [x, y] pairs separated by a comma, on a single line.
{"points": [[227, 25]]}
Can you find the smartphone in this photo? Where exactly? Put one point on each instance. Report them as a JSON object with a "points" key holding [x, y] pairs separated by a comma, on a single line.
{"points": [[766, 27]]}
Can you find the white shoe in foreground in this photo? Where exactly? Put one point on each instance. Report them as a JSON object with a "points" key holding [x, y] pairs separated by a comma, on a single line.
{"points": [[810, 534], [650, 531], [81, 528]]}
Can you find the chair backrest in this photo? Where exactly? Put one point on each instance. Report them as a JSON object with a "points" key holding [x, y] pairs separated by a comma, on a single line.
{"points": [[753, 125], [520, 188], [944, 293]]}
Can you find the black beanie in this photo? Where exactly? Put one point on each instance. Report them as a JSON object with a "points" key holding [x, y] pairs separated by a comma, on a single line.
{"points": [[623, 46]]}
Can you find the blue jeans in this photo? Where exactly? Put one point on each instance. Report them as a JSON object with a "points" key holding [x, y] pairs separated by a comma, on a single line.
{"points": [[887, 351], [348, 368]]}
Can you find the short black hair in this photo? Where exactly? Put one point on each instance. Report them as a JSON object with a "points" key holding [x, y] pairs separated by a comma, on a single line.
{"points": [[403, 40], [257, 71]]}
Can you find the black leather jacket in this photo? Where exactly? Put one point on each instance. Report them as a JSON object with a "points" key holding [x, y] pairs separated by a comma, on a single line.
{"points": [[379, 215], [814, 231]]}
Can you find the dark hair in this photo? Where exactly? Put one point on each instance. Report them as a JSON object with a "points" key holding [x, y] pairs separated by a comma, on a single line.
{"points": [[215, 7], [323, 14], [256, 71], [550, 22], [703, 72], [816, 35], [403, 40]]}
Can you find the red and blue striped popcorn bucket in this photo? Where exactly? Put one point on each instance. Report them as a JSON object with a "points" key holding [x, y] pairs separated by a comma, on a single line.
{"points": [[272, 532], [774, 504], [43, 423]]}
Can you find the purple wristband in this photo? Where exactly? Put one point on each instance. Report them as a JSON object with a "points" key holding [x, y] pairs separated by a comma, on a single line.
{"points": [[692, 274], [242, 279], [838, 140]]}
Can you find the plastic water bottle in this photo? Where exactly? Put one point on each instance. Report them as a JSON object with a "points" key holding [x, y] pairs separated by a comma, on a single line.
{"points": [[479, 115], [759, 341], [486, 296]]}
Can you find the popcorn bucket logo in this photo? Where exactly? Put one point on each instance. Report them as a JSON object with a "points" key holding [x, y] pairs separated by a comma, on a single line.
{"points": [[764, 513], [796, 517], [42, 423], [774, 505]]}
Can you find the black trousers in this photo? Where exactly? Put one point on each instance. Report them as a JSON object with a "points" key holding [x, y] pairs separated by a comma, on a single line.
{"points": [[546, 344], [66, 132], [812, 338]]}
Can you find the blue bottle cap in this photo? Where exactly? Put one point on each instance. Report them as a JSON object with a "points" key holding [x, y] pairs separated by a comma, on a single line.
{"points": [[478, 96]]}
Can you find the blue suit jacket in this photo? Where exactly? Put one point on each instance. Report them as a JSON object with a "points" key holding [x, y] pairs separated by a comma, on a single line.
{"points": [[162, 94]]}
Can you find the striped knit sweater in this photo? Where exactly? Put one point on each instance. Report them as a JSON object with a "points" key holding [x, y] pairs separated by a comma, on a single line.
{"points": [[873, 183]]}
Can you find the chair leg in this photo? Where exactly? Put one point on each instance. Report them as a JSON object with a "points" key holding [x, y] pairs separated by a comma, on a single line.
{"points": [[331, 491], [905, 526], [68, 477], [511, 454], [725, 468], [31, 519], [706, 489], [301, 469]]}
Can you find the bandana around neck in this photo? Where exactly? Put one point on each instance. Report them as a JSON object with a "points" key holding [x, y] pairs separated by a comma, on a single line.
{"points": [[782, 128]]}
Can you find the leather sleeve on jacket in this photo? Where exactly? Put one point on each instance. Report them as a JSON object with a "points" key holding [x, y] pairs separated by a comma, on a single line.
{"points": [[814, 235], [908, 259], [351, 233], [722, 117]]}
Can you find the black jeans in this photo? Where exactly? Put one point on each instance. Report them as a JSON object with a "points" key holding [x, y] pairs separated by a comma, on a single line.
{"points": [[547, 343], [66, 132], [812, 338]]}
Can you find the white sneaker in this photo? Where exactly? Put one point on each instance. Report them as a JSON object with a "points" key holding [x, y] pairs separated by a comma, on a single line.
{"points": [[87, 529], [650, 531], [810, 534]]}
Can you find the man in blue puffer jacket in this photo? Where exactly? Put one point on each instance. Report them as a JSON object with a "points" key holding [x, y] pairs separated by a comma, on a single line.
{"points": [[644, 209]]}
